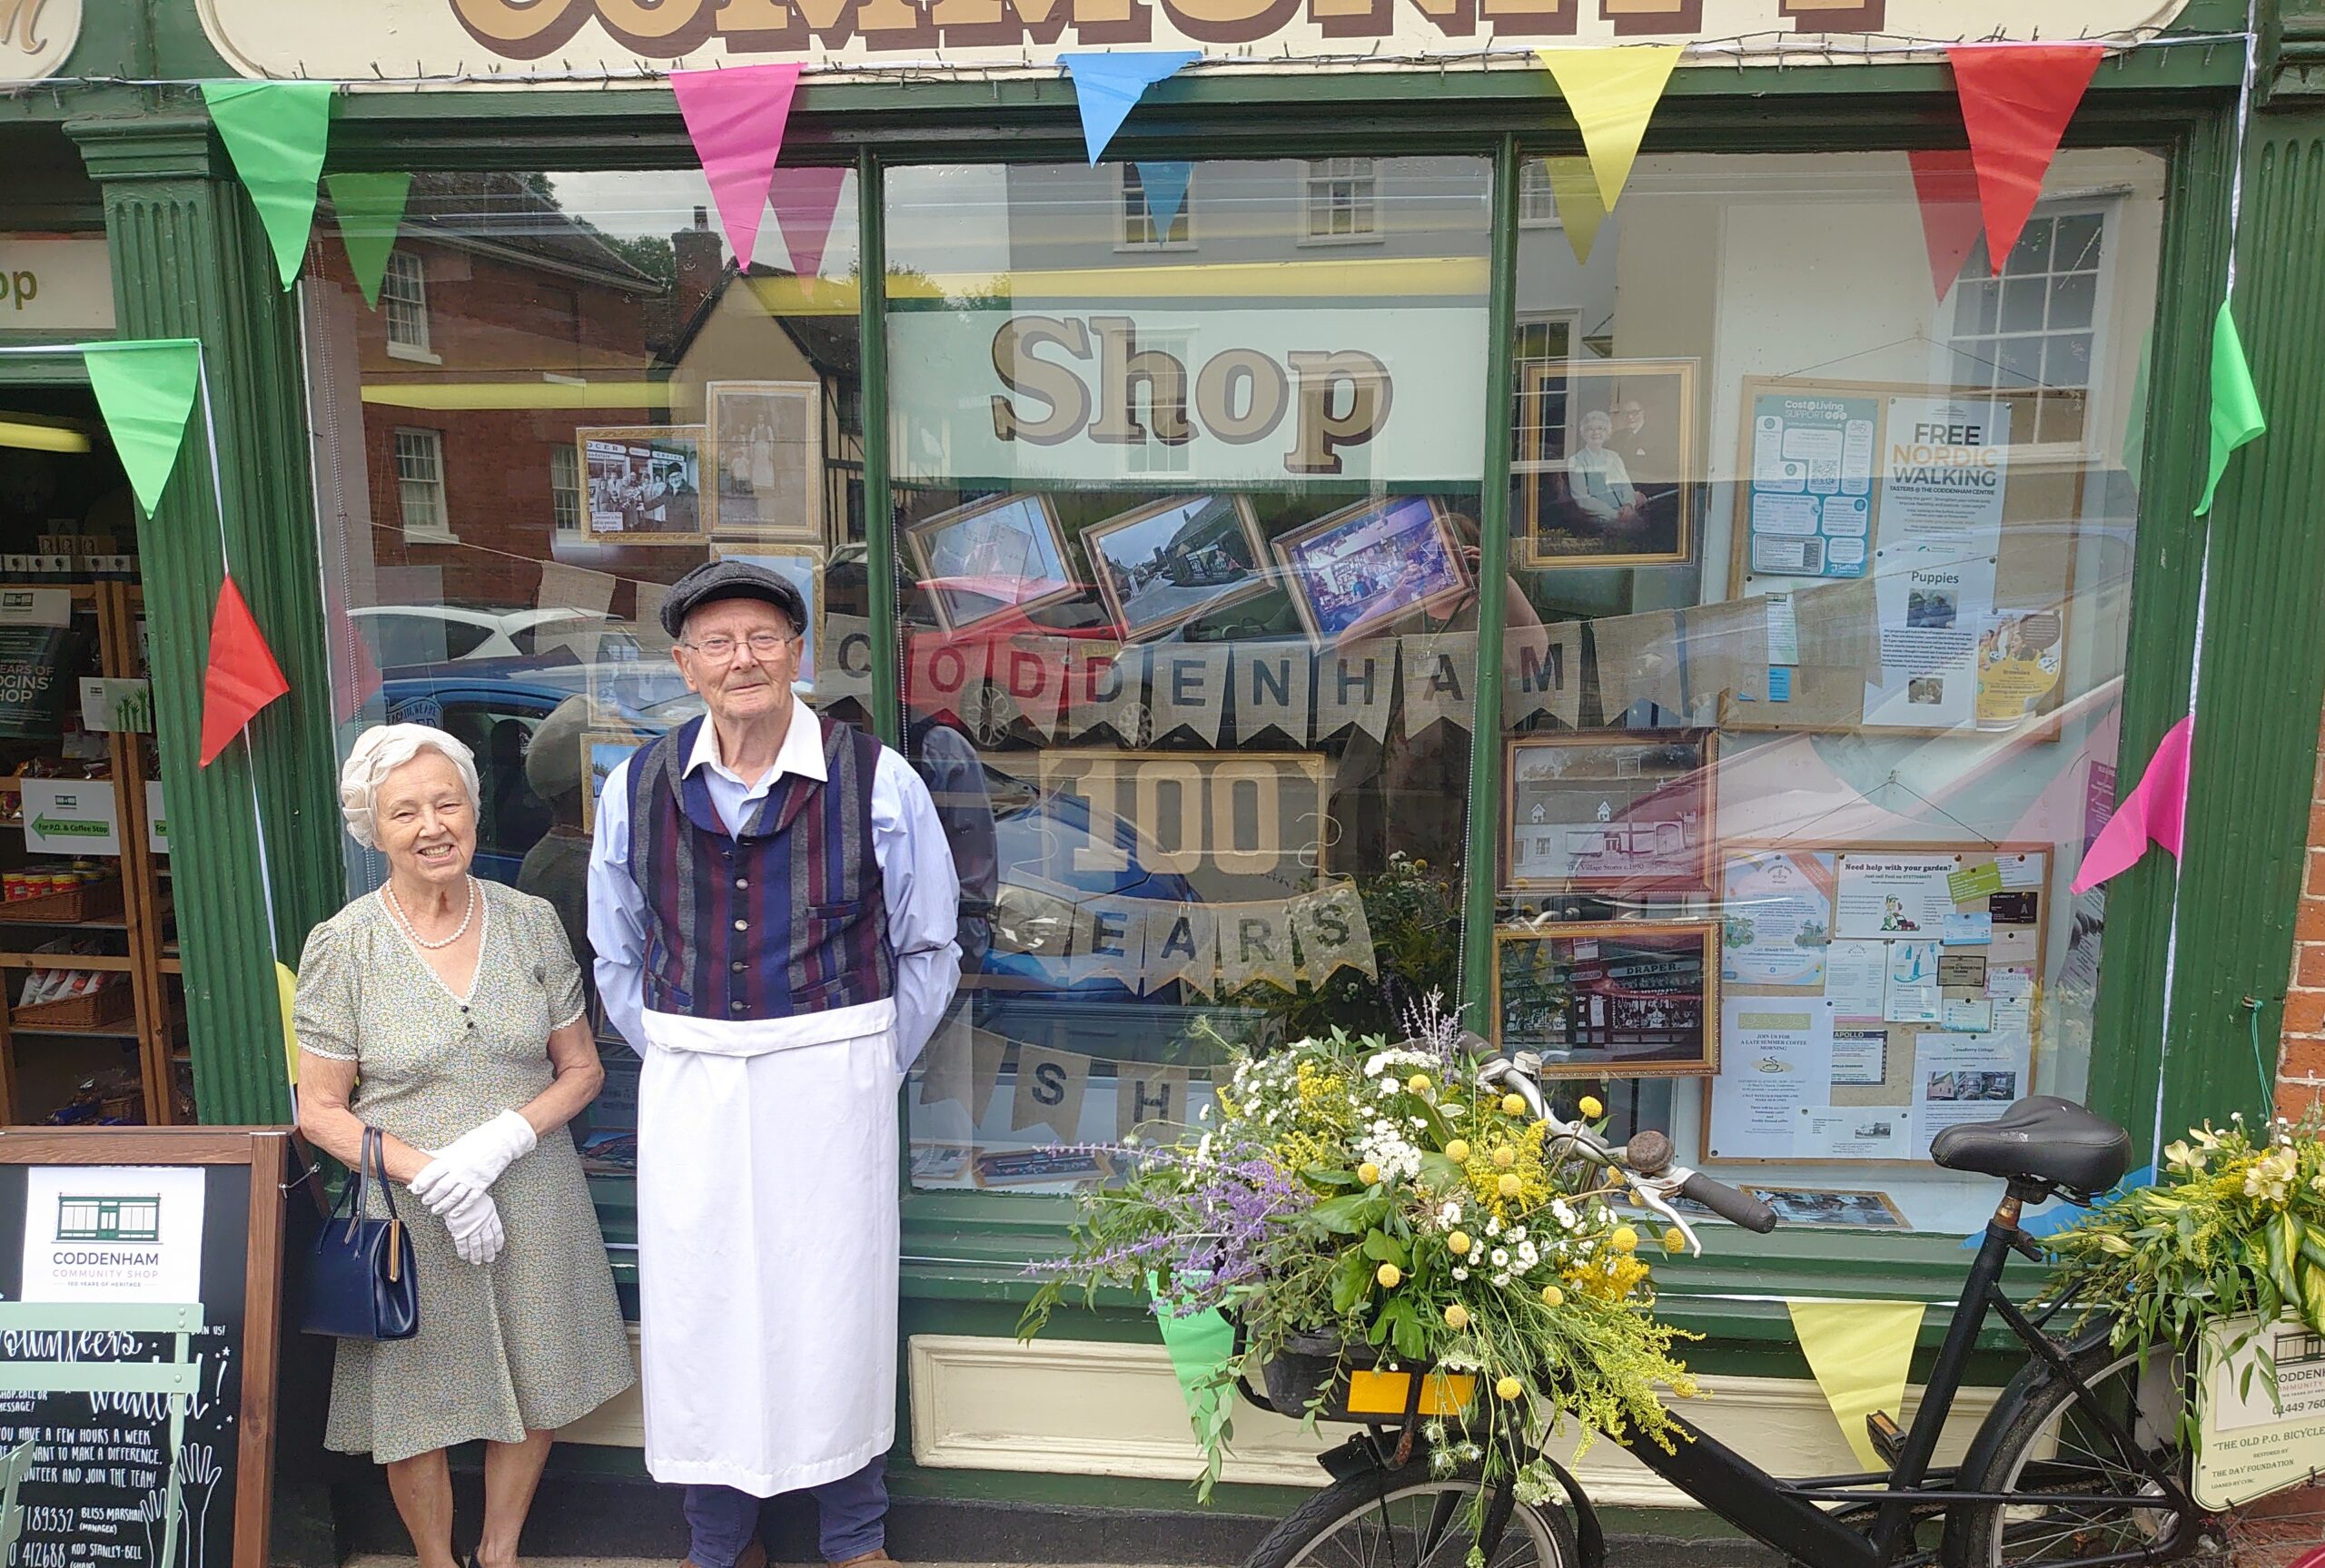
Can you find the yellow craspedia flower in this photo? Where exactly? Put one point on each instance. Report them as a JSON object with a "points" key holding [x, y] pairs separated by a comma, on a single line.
{"points": [[1510, 1389], [1390, 1275], [1368, 1173], [1590, 1108], [1513, 1105], [1623, 1239], [1509, 1186], [1418, 1083], [1673, 1242], [1458, 1151], [1553, 1296], [1457, 1316], [1457, 1244], [1505, 1157]]}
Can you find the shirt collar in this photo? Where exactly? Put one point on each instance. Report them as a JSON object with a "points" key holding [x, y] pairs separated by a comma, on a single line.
{"points": [[802, 751]]}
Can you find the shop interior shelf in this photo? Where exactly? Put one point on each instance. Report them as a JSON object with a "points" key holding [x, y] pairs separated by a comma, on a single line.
{"points": [[125, 1029], [66, 924], [104, 961]]}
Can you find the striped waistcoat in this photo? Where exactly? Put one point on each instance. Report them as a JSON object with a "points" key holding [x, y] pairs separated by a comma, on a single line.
{"points": [[787, 917]]}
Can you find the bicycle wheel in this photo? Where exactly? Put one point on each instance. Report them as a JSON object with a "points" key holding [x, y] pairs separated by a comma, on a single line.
{"points": [[1381, 1519], [2056, 1454]]}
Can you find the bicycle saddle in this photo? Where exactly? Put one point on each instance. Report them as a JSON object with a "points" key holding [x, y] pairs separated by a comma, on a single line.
{"points": [[2041, 1139]]}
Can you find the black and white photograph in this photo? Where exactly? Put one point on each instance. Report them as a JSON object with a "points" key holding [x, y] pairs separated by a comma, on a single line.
{"points": [[1628, 815], [1161, 566], [645, 483], [1866, 1211], [766, 447], [1606, 461]]}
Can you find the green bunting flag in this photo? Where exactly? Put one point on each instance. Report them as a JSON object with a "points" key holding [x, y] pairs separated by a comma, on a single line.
{"points": [[146, 390], [369, 207], [1200, 1344], [275, 131], [2236, 405]]}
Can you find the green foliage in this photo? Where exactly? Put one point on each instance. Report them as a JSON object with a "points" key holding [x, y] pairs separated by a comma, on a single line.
{"points": [[1414, 912]]}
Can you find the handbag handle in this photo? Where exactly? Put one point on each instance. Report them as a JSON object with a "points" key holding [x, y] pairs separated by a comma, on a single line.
{"points": [[370, 1165]]}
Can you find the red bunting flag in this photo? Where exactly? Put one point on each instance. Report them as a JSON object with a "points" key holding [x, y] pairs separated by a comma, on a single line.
{"points": [[2016, 101], [1948, 185], [243, 676]]}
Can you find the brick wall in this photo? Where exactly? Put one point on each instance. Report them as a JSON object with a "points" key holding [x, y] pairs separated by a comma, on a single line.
{"points": [[2301, 1071]]}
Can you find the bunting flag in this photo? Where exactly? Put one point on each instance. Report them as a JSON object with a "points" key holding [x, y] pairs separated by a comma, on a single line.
{"points": [[370, 210], [1945, 182], [1147, 1095], [2236, 405], [2155, 812], [146, 390], [2016, 101], [1108, 85], [1575, 194], [276, 134], [735, 116], [806, 201], [1860, 1352], [241, 677], [1051, 1087], [1165, 185], [1612, 91]]}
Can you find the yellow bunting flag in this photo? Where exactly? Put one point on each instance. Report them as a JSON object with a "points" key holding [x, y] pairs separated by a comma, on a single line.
{"points": [[1860, 1352], [1580, 212], [1612, 91]]}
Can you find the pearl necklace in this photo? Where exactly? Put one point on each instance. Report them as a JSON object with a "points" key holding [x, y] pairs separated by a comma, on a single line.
{"points": [[387, 891]]}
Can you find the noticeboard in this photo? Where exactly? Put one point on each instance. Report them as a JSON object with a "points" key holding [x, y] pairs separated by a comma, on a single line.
{"points": [[141, 1323]]}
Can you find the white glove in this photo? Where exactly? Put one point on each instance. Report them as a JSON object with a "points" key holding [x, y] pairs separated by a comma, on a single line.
{"points": [[475, 1225], [466, 1167]]}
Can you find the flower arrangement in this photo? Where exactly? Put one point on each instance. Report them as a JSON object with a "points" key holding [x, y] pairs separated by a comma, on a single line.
{"points": [[2235, 1224], [1357, 1191]]}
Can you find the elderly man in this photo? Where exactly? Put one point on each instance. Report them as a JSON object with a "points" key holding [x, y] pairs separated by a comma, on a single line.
{"points": [[772, 904]]}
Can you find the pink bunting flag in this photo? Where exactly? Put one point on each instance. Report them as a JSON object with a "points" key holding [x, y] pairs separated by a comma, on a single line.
{"points": [[805, 202], [2154, 812], [737, 117]]}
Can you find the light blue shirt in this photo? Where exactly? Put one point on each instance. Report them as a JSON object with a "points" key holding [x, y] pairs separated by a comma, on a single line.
{"points": [[916, 877]]}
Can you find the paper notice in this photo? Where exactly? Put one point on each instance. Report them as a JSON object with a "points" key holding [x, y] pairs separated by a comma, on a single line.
{"points": [[1784, 631], [1973, 1015], [1779, 919], [1959, 1078], [1974, 881], [1854, 1132], [1889, 895], [1967, 930], [1943, 478], [1856, 977], [1860, 1055], [1913, 995], [1776, 1062], [2020, 871], [1931, 606]]}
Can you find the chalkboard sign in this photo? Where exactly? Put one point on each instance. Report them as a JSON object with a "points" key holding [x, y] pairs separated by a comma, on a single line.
{"points": [[140, 1323]]}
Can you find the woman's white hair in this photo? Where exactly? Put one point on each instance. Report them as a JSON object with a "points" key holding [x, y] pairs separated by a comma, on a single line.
{"points": [[379, 752]]}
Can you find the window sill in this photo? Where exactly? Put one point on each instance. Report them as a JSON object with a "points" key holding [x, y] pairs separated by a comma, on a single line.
{"points": [[417, 356], [1330, 240], [431, 537]]}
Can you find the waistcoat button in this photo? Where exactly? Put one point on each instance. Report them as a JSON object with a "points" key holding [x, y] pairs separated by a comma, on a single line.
{"points": [[734, 1007], [742, 926], [738, 966], [742, 882]]}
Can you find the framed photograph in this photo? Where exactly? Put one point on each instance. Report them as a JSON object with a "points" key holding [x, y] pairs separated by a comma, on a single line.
{"points": [[1866, 1211], [1365, 566], [765, 449], [1613, 812], [989, 557], [1615, 999], [1161, 566], [644, 484], [1609, 466], [802, 566], [603, 750]]}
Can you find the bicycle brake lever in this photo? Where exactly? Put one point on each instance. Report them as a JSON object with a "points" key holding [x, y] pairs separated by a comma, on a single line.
{"points": [[1653, 1192]]}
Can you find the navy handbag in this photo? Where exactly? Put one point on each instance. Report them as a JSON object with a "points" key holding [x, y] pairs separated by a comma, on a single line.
{"points": [[360, 1282]]}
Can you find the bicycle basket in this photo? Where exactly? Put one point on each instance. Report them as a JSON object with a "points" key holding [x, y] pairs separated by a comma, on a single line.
{"points": [[1357, 1386]]}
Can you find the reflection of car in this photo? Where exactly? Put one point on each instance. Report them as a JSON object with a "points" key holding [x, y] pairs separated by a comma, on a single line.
{"points": [[402, 635], [495, 712]]}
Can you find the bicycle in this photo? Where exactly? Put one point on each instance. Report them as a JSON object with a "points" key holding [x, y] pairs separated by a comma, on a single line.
{"points": [[2079, 1462]]}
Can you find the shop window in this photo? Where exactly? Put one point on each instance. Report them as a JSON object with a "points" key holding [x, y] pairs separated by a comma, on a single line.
{"points": [[403, 300], [1537, 205], [565, 489], [420, 482], [636, 404], [1190, 653], [1343, 200], [1139, 230], [1818, 612], [2035, 331]]}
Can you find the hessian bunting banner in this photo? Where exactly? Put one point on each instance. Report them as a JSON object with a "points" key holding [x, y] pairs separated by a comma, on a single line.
{"points": [[276, 132], [1612, 91], [2016, 101], [1945, 181], [737, 117], [1108, 85]]}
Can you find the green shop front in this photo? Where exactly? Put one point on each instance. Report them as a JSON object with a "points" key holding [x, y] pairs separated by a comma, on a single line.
{"points": [[1321, 555]]}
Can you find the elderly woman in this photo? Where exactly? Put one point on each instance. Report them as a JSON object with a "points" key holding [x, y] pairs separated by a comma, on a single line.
{"points": [[457, 1004]]}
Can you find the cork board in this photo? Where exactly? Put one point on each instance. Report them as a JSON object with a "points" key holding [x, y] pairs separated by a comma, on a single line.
{"points": [[2018, 914]]}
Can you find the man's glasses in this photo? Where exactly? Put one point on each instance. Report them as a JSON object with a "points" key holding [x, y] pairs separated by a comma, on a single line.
{"points": [[718, 649]]}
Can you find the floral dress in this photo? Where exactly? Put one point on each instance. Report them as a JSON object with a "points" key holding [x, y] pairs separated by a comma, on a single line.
{"points": [[534, 1339]]}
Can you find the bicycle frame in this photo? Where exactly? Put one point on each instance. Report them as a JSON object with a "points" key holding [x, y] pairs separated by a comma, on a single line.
{"points": [[1789, 1515]]}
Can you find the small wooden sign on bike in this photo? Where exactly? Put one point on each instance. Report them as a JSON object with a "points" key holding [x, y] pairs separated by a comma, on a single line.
{"points": [[2249, 1442]]}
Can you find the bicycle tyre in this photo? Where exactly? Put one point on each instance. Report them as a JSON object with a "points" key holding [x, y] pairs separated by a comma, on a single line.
{"points": [[2039, 1420], [1536, 1537]]}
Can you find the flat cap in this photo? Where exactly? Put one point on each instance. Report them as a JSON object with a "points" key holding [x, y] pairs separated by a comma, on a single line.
{"points": [[715, 580]]}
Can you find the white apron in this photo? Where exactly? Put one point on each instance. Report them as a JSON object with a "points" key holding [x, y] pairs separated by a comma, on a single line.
{"points": [[766, 1247]]}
